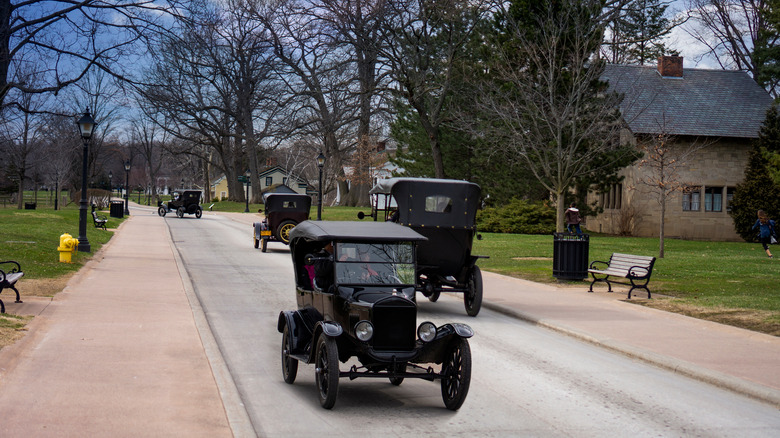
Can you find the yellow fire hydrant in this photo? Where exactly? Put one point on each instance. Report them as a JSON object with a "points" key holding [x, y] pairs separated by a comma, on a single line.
{"points": [[66, 248]]}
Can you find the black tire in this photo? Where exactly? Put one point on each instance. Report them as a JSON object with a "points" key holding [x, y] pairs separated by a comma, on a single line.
{"points": [[456, 374], [472, 299], [264, 245], [161, 211], [257, 241], [289, 364], [398, 380], [283, 231], [180, 212], [434, 296], [327, 371], [198, 212]]}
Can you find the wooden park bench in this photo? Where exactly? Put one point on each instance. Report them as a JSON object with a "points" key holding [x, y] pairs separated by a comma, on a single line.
{"points": [[99, 220], [633, 267], [8, 279]]}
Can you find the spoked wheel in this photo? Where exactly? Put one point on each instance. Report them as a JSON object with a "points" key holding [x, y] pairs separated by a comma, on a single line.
{"points": [[180, 212], [289, 364], [283, 232], [398, 380], [472, 299], [434, 296], [199, 212], [263, 245], [161, 211], [456, 374], [327, 371]]}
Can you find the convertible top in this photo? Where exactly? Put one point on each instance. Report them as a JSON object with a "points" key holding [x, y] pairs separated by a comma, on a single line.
{"points": [[278, 201], [346, 230], [385, 186]]}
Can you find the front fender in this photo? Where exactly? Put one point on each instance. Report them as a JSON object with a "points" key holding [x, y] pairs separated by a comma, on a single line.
{"points": [[329, 328]]}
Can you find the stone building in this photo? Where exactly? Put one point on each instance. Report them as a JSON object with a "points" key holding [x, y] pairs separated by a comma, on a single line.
{"points": [[714, 114]]}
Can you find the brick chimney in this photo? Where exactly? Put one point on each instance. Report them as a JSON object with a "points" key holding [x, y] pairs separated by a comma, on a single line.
{"points": [[670, 66]]}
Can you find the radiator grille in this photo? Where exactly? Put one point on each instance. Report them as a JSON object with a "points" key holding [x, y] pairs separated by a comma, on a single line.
{"points": [[394, 322]]}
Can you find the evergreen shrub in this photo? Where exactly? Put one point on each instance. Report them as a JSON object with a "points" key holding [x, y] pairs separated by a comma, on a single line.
{"points": [[518, 216]]}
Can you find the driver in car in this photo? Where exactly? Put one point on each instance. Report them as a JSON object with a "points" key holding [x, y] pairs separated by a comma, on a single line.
{"points": [[323, 268]]}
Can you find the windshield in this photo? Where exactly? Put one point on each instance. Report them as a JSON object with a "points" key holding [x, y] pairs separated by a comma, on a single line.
{"points": [[375, 263]]}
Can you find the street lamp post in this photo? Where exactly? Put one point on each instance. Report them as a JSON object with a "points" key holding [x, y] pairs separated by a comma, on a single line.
{"points": [[246, 175], [110, 187], [320, 163], [86, 125], [127, 185]]}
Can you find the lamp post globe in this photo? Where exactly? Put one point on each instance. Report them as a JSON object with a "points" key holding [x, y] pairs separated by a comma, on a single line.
{"points": [[86, 125], [127, 185], [320, 164]]}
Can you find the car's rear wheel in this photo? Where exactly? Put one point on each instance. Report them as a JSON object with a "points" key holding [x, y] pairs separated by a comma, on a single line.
{"points": [[180, 212], [283, 232], [456, 374], [327, 371], [257, 241], [264, 245], [472, 298], [289, 364], [199, 212], [161, 211], [434, 296]]}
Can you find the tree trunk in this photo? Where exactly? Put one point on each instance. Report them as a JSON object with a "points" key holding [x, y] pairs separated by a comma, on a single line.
{"points": [[560, 213], [661, 230]]}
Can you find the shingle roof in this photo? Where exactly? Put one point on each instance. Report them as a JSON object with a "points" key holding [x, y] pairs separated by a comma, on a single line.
{"points": [[717, 103]]}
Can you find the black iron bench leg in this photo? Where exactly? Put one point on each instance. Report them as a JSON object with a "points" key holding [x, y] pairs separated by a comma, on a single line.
{"points": [[605, 280], [639, 286], [2, 307], [18, 298]]}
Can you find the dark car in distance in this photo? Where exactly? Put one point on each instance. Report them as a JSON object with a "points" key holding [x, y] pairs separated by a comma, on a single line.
{"points": [[355, 287], [283, 211], [184, 202]]}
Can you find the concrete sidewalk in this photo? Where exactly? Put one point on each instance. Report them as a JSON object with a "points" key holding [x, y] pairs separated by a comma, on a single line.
{"points": [[122, 351], [117, 353]]}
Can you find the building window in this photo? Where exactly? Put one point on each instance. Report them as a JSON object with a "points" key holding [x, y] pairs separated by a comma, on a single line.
{"points": [[302, 186], [269, 181], [613, 198], [691, 199], [713, 199]]}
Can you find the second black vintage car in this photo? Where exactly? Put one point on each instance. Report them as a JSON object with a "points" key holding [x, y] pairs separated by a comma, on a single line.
{"points": [[355, 286], [184, 202], [283, 211]]}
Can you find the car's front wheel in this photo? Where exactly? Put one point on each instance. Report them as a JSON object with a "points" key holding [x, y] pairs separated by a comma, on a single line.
{"points": [[398, 380], [180, 212], [199, 212], [161, 211], [326, 372], [456, 374], [264, 245], [289, 364]]}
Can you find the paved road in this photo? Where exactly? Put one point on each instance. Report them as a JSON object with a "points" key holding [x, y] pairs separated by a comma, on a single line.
{"points": [[526, 380]]}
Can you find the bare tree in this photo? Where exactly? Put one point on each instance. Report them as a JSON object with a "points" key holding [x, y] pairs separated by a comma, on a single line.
{"points": [[423, 43], [544, 102], [731, 30], [660, 170], [61, 40]]}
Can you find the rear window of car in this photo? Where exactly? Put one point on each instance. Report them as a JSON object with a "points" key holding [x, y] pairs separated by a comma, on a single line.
{"points": [[288, 204], [438, 204]]}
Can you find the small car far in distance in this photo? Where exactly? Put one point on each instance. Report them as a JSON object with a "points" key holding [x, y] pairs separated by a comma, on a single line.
{"points": [[355, 295], [183, 202], [444, 211], [283, 211]]}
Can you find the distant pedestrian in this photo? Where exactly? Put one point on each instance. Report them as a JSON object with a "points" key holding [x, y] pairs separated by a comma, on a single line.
{"points": [[573, 219], [766, 231]]}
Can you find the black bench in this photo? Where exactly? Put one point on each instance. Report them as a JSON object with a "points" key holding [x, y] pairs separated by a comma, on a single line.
{"points": [[633, 267], [99, 220], [8, 279]]}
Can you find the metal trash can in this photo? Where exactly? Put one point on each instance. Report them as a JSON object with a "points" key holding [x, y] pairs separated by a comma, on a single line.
{"points": [[570, 256], [117, 209]]}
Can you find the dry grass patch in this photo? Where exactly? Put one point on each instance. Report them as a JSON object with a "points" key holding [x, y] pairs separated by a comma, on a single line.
{"points": [[12, 328], [42, 287], [764, 321]]}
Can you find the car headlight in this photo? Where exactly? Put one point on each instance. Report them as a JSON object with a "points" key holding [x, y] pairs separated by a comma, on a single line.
{"points": [[426, 331], [364, 331]]}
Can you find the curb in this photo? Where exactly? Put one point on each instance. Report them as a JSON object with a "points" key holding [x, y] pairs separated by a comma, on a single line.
{"points": [[734, 384]]}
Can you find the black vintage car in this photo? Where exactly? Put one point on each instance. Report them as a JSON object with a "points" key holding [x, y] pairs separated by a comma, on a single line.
{"points": [[445, 212], [184, 202], [355, 289], [283, 211]]}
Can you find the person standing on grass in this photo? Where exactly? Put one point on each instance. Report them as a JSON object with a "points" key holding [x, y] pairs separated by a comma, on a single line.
{"points": [[766, 230], [573, 219]]}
